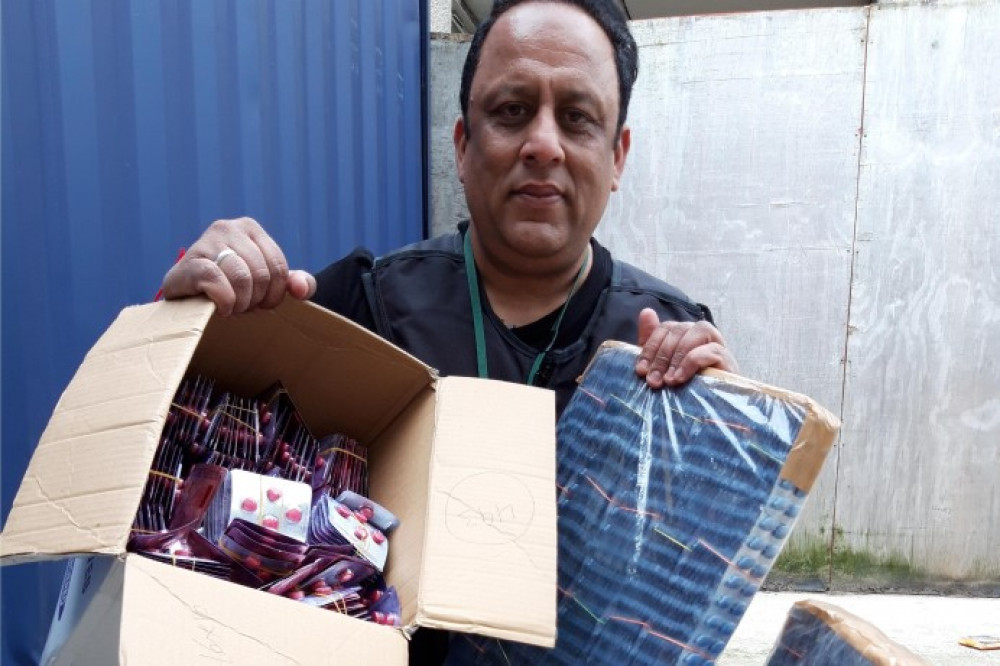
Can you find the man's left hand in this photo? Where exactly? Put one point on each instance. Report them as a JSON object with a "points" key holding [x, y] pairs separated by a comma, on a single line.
{"points": [[673, 351]]}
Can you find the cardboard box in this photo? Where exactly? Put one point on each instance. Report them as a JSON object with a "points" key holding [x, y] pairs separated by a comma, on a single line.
{"points": [[468, 465]]}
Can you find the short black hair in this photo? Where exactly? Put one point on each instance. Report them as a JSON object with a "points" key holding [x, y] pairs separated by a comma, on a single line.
{"points": [[606, 13]]}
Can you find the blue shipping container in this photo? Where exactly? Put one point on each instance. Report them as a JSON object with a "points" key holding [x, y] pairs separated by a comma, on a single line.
{"points": [[128, 125]]}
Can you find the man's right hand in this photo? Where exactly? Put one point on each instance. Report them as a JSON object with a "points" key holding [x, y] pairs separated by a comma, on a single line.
{"points": [[239, 267]]}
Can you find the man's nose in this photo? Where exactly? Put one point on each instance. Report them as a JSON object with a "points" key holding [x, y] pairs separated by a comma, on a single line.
{"points": [[543, 143]]}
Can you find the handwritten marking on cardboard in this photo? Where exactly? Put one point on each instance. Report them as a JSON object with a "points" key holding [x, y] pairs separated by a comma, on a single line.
{"points": [[489, 508], [215, 651]]}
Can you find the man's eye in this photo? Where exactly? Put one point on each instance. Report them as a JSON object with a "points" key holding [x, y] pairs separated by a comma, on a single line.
{"points": [[512, 111], [576, 117]]}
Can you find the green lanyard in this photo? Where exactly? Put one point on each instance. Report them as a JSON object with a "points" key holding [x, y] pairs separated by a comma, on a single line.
{"points": [[477, 314]]}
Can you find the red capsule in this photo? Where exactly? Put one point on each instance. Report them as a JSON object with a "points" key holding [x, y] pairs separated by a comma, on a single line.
{"points": [[296, 594], [249, 505], [343, 511], [270, 522], [378, 537], [293, 515], [361, 533], [273, 494]]}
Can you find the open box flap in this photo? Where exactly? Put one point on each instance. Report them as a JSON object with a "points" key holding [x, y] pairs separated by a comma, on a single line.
{"points": [[84, 481], [173, 616], [489, 562], [309, 348]]}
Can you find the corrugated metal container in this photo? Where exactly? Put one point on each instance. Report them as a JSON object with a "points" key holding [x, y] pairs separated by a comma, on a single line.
{"points": [[129, 125]]}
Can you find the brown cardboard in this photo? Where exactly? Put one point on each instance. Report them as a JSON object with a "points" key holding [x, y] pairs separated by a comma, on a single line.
{"points": [[451, 457], [493, 513]]}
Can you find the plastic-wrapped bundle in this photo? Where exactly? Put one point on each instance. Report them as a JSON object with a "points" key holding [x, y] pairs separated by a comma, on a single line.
{"points": [[673, 505], [821, 634]]}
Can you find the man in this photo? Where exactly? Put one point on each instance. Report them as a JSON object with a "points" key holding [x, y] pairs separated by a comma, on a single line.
{"points": [[522, 293]]}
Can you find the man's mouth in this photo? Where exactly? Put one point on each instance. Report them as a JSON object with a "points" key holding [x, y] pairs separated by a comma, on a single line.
{"points": [[538, 193]]}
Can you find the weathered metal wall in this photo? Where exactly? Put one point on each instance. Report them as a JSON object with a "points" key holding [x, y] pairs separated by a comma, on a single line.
{"points": [[742, 188], [128, 125], [921, 445]]}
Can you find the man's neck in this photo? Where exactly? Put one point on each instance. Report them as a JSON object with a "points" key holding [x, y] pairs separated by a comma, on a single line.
{"points": [[520, 298]]}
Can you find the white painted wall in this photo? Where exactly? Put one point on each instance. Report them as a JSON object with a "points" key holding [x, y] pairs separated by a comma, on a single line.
{"points": [[861, 271], [440, 15]]}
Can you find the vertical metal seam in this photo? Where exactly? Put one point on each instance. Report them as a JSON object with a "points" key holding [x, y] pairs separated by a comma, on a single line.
{"points": [[425, 120], [850, 296]]}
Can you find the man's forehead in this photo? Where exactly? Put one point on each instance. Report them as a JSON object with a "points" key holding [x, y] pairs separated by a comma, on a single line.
{"points": [[528, 18], [557, 36], [556, 25]]}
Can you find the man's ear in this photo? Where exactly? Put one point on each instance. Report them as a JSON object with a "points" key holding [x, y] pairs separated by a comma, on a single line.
{"points": [[461, 140], [622, 145]]}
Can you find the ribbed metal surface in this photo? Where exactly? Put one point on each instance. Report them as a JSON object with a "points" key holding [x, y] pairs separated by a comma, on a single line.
{"points": [[127, 126]]}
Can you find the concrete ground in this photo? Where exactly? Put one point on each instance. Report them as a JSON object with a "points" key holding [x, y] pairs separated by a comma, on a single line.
{"points": [[930, 626]]}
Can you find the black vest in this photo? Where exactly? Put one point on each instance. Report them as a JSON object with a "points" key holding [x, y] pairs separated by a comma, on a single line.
{"points": [[419, 297]]}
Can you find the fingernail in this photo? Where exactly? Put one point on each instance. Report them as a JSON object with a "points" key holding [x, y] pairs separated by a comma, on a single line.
{"points": [[655, 377], [671, 374], [642, 366]]}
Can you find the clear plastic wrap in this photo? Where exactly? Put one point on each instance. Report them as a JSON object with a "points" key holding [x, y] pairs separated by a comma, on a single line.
{"points": [[673, 505], [821, 634]]}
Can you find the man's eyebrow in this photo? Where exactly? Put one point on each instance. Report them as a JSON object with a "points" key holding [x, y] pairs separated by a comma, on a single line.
{"points": [[516, 90], [521, 91], [578, 96]]}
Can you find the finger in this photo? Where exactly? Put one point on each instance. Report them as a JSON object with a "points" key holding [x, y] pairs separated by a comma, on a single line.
{"points": [[277, 269], [301, 284], [257, 279], [701, 333], [192, 276], [665, 353], [236, 271], [710, 355], [648, 321], [653, 340]]}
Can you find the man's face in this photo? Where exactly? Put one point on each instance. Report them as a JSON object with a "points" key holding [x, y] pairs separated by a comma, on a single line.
{"points": [[539, 157]]}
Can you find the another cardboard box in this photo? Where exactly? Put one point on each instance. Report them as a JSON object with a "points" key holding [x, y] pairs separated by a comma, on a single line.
{"points": [[468, 465]]}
